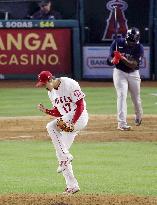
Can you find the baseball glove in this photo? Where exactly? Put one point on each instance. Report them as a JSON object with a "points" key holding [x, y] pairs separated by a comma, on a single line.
{"points": [[63, 126]]}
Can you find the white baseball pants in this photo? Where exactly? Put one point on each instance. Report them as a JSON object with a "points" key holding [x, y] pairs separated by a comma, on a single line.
{"points": [[62, 142]]}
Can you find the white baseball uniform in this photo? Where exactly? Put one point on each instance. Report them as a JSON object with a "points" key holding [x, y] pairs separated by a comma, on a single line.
{"points": [[65, 98]]}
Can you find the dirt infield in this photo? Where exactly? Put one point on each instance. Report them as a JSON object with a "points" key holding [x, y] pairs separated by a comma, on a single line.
{"points": [[100, 128], [34, 128], [44, 199]]}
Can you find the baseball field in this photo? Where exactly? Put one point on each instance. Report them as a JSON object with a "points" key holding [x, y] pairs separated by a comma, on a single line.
{"points": [[112, 167]]}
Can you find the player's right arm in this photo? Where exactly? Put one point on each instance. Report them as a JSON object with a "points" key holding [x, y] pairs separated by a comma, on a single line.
{"points": [[53, 112], [112, 59]]}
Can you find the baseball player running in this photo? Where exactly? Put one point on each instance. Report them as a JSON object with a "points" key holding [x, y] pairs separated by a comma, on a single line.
{"points": [[69, 108], [125, 54]]}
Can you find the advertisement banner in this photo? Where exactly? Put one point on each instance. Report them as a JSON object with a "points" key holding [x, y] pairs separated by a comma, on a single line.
{"points": [[96, 67], [28, 51]]}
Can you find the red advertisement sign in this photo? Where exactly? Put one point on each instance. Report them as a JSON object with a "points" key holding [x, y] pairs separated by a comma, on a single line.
{"points": [[28, 51]]}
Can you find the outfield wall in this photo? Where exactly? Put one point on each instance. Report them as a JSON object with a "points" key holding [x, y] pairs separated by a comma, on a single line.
{"points": [[29, 46], [91, 24]]}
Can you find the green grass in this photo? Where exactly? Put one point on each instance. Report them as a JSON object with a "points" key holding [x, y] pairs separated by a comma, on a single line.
{"points": [[23, 101], [114, 168], [106, 168]]}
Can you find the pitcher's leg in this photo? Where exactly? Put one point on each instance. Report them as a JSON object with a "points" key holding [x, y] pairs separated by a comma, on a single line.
{"points": [[56, 137], [67, 139], [71, 181], [121, 86]]}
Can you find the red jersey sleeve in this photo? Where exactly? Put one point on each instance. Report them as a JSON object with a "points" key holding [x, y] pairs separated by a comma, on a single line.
{"points": [[54, 112], [78, 111]]}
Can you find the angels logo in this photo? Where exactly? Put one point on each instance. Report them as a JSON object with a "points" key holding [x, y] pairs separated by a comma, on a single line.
{"points": [[77, 93], [121, 20]]}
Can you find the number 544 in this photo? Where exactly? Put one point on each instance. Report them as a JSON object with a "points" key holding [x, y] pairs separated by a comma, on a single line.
{"points": [[46, 24]]}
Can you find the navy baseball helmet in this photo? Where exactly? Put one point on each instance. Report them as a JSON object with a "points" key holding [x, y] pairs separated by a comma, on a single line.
{"points": [[133, 35], [44, 2]]}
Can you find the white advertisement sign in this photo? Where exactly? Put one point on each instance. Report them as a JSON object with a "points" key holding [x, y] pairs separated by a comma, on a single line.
{"points": [[95, 65]]}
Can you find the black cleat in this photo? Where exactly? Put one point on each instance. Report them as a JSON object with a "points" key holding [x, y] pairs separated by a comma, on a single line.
{"points": [[138, 122]]}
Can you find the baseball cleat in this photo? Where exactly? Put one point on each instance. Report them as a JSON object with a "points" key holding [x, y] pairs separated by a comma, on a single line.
{"points": [[63, 164], [71, 190], [124, 128], [138, 122]]}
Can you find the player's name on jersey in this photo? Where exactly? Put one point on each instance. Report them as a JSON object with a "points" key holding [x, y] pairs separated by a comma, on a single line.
{"points": [[27, 24]]}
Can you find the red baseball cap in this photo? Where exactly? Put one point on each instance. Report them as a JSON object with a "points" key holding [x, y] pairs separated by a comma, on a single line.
{"points": [[43, 78]]}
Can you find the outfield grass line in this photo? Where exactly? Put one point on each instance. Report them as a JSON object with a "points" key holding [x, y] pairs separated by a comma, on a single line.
{"points": [[107, 131], [18, 137], [94, 132], [23, 117], [51, 118]]}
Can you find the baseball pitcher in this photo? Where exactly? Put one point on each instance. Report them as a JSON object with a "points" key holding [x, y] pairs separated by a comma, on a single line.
{"points": [[69, 108], [125, 54]]}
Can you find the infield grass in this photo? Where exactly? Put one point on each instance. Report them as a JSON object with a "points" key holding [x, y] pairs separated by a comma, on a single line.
{"points": [[23, 101], [106, 168]]}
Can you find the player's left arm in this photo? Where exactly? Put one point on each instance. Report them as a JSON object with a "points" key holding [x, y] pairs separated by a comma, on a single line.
{"points": [[78, 111], [130, 62], [78, 98]]}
